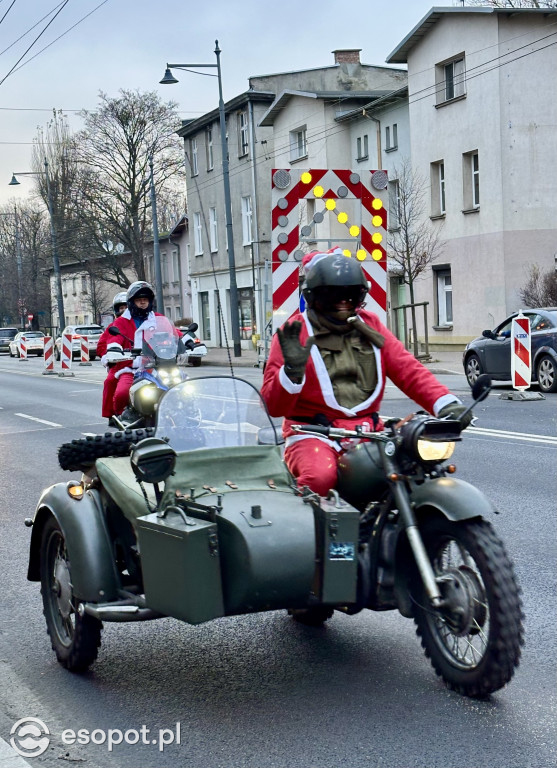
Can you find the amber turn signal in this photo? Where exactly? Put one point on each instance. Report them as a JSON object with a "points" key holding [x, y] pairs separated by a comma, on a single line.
{"points": [[75, 490]]}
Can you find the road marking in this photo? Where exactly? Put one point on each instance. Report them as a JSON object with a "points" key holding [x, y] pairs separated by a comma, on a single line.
{"points": [[89, 434], [546, 439], [79, 391], [41, 421]]}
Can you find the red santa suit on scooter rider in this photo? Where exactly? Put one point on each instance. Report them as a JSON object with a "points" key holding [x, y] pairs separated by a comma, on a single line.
{"points": [[328, 365], [138, 317]]}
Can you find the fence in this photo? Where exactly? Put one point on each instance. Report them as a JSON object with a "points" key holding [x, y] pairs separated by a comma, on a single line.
{"points": [[408, 335]]}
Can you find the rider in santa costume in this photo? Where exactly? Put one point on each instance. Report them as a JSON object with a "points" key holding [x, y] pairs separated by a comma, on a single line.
{"points": [[328, 365]]}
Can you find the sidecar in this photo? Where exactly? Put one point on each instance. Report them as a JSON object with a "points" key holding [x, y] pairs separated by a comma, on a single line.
{"points": [[198, 522]]}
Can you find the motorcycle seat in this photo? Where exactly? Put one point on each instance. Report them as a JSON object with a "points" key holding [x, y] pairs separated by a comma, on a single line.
{"points": [[121, 485]]}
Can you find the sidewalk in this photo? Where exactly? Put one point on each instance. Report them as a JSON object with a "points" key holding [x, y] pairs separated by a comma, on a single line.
{"points": [[446, 361]]}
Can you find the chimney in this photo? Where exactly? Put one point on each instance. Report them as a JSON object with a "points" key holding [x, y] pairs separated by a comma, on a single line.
{"points": [[347, 55]]}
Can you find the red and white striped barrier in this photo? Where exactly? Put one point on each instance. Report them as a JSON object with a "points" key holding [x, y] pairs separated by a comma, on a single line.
{"points": [[48, 353], [23, 348], [66, 355], [521, 357], [84, 350]]}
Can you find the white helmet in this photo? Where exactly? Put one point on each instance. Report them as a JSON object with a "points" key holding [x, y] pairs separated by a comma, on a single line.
{"points": [[119, 299]]}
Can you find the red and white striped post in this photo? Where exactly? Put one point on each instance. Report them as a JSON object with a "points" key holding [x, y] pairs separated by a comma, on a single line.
{"points": [[521, 357], [84, 349], [66, 355], [23, 348], [48, 353]]}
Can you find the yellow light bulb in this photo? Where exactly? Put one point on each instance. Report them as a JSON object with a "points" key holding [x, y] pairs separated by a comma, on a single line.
{"points": [[305, 178], [318, 191], [330, 205], [377, 221], [360, 254], [354, 230], [347, 253], [377, 204], [376, 254], [343, 218], [377, 237]]}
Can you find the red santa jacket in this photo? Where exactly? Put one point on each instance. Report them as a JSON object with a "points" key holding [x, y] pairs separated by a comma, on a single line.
{"points": [[126, 325], [299, 403]]}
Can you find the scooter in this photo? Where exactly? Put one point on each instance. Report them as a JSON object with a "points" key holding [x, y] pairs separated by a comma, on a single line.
{"points": [[203, 520]]}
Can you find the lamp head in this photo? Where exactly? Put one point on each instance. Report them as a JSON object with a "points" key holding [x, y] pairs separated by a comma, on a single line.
{"points": [[13, 181], [168, 78]]}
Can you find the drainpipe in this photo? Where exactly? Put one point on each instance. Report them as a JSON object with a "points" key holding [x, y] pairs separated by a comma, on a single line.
{"points": [[375, 120], [255, 245], [182, 295]]}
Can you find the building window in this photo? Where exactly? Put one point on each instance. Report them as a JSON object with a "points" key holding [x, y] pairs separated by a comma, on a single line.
{"points": [[164, 268], [83, 283], [175, 267], [213, 230], [246, 221], [193, 153], [64, 287], [450, 79], [444, 296], [205, 316], [209, 147], [197, 238], [243, 143], [470, 181], [74, 286], [298, 144], [391, 137], [394, 205], [177, 312], [438, 188], [361, 148]]}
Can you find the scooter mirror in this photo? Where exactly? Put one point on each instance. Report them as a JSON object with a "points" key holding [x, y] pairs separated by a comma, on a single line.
{"points": [[192, 328], [481, 387]]}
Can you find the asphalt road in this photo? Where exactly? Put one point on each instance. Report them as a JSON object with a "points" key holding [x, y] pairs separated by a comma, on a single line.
{"points": [[262, 691]]}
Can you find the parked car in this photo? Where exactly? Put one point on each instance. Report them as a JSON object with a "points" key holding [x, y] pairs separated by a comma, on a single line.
{"points": [[491, 352], [34, 343], [92, 332], [6, 335]]}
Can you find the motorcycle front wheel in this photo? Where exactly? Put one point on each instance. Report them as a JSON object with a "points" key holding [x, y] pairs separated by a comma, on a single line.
{"points": [[75, 639], [474, 641]]}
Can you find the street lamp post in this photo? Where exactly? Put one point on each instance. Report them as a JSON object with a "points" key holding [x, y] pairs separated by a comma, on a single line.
{"points": [[53, 239], [169, 79], [156, 244]]}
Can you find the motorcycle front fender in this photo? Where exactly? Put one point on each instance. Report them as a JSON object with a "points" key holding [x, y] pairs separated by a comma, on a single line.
{"points": [[93, 570], [456, 499]]}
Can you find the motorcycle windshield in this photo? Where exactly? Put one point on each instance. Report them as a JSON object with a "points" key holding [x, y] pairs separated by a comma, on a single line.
{"points": [[160, 341], [212, 412]]}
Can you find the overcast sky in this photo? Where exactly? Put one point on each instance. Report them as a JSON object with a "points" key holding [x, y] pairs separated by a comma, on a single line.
{"points": [[126, 44]]}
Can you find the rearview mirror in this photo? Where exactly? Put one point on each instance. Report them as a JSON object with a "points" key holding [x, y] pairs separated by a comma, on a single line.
{"points": [[481, 387]]}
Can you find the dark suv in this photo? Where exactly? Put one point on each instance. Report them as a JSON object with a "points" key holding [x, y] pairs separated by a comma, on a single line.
{"points": [[6, 335]]}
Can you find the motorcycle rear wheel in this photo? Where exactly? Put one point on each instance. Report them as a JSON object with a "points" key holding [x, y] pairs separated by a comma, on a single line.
{"points": [[75, 639], [474, 644], [315, 616]]}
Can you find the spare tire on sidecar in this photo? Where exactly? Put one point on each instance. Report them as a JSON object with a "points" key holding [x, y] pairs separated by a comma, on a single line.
{"points": [[81, 454]]}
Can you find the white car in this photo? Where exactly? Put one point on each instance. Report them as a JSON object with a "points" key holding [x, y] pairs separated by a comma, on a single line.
{"points": [[92, 332], [34, 343]]}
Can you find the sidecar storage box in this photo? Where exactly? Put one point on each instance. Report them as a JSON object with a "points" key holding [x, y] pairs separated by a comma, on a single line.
{"points": [[181, 566], [337, 527]]}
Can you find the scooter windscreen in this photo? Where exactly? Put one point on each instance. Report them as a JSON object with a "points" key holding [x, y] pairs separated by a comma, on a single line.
{"points": [[161, 342], [212, 412]]}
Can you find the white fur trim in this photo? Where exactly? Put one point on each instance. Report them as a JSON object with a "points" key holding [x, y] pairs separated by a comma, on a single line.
{"points": [[327, 386], [149, 323], [126, 314], [443, 401], [296, 439], [121, 371], [290, 386]]}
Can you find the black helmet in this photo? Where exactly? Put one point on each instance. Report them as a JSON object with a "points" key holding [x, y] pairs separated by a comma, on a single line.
{"points": [[327, 274], [138, 290]]}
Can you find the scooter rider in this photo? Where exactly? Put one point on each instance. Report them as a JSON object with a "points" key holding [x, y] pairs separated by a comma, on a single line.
{"points": [[329, 364], [119, 306], [138, 317]]}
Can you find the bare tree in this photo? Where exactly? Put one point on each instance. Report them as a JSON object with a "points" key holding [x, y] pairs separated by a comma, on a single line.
{"points": [[413, 243], [540, 289], [512, 3], [114, 151]]}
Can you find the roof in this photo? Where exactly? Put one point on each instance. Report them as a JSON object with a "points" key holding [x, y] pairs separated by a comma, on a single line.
{"points": [[190, 127], [377, 104], [400, 54], [284, 97]]}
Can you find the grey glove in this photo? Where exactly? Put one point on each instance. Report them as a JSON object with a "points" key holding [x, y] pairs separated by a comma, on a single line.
{"points": [[454, 411], [294, 354]]}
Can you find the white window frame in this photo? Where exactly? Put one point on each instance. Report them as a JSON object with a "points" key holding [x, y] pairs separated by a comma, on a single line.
{"points": [[451, 79], [209, 147], [394, 204], [470, 181], [243, 133], [197, 234], [438, 189], [247, 220], [175, 267], [389, 147], [194, 159], [84, 288], [442, 191], [444, 296], [475, 172], [213, 230], [362, 147], [298, 144]]}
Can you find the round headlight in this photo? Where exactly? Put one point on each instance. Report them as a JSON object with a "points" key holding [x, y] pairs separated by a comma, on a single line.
{"points": [[434, 451]]}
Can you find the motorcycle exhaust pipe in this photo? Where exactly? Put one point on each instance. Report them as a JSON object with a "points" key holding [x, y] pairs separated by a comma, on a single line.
{"points": [[115, 612]]}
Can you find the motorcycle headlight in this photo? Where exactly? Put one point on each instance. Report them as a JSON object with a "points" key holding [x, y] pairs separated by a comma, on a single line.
{"points": [[438, 451]]}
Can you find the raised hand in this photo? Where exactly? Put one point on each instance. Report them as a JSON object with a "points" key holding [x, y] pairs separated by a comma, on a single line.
{"points": [[295, 355]]}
